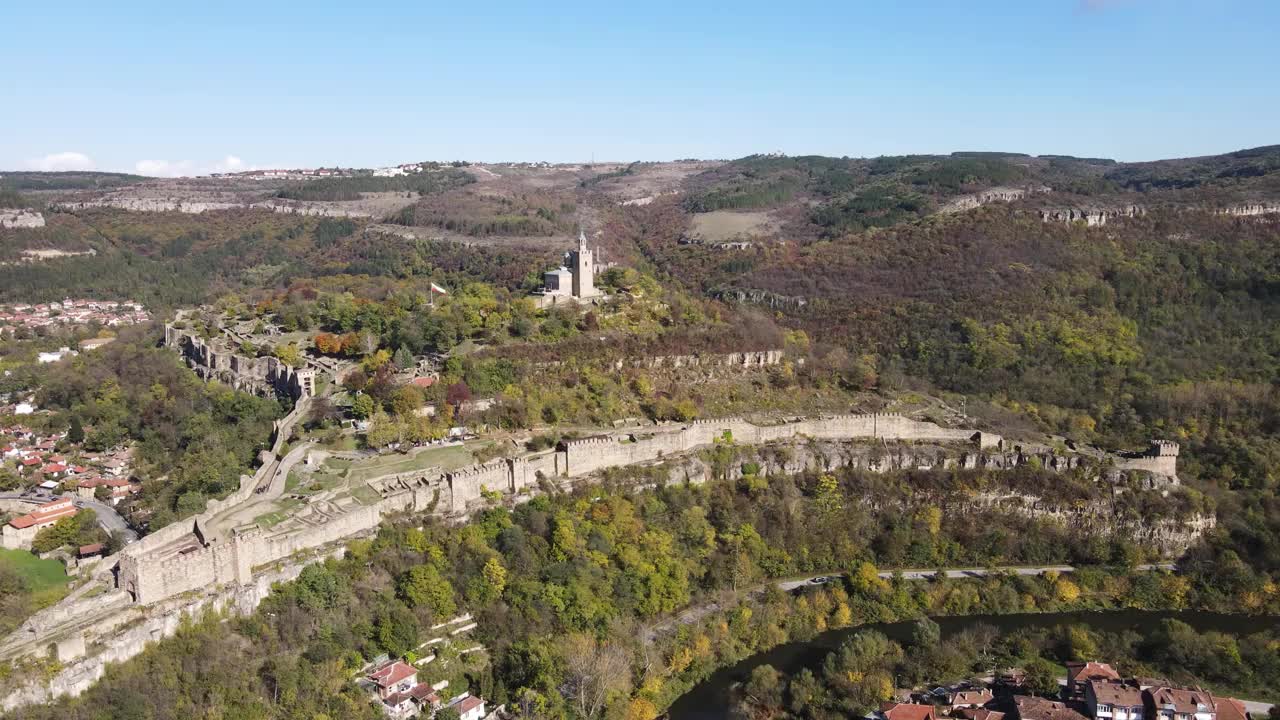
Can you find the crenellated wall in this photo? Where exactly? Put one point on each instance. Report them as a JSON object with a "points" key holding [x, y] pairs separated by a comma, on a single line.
{"points": [[590, 454]]}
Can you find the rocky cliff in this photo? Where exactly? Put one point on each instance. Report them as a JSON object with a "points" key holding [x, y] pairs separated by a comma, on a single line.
{"points": [[995, 194], [20, 218], [1091, 215], [197, 207], [761, 297], [1249, 209]]}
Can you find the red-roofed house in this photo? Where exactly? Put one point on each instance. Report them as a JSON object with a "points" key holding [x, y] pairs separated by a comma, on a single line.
{"points": [[469, 708], [120, 488], [54, 470], [1079, 673], [907, 711], [1167, 703], [394, 677], [414, 701], [22, 530]]}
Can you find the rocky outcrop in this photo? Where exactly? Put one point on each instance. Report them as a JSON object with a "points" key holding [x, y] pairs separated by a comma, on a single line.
{"points": [[761, 297], [1250, 209], [995, 194], [1091, 216], [760, 358], [20, 218], [196, 207]]}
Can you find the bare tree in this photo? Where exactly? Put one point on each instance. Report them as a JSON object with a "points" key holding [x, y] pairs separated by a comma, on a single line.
{"points": [[593, 671]]}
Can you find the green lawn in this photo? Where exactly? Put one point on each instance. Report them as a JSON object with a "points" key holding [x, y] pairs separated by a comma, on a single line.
{"points": [[41, 575], [446, 458]]}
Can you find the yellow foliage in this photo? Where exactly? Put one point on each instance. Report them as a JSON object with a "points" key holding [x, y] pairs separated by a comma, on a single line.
{"points": [[641, 709], [1066, 590], [702, 646], [843, 616], [680, 659]]}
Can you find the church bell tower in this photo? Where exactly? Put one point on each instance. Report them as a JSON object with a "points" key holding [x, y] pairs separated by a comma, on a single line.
{"points": [[582, 264]]}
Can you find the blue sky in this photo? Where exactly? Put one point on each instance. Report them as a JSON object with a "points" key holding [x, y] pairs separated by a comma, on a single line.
{"points": [[172, 88]]}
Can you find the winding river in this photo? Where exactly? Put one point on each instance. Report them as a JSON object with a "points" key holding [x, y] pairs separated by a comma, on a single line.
{"points": [[709, 700]]}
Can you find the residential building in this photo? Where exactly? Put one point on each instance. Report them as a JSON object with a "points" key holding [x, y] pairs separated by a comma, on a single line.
{"points": [[1026, 707], [1230, 709], [411, 703], [1079, 673], [960, 699], [22, 530], [907, 711], [1168, 703], [1111, 700], [394, 677], [978, 713], [469, 708]]}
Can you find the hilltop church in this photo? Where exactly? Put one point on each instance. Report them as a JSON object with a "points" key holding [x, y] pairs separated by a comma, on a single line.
{"points": [[575, 280]]}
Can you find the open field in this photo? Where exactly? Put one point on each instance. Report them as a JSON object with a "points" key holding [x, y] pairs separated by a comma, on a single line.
{"points": [[727, 225], [41, 575]]}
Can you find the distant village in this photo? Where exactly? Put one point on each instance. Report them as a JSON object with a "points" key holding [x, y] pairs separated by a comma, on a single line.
{"points": [[70, 313], [1093, 691]]}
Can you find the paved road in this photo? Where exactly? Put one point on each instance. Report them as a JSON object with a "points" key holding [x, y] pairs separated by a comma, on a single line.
{"points": [[959, 573], [109, 519]]}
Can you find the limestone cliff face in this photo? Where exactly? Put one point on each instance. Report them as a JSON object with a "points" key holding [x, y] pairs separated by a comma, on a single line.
{"points": [[1249, 209], [1171, 537], [20, 218], [995, 194], [762, 297], [1091, 216], [760, 358], [197, 207]]}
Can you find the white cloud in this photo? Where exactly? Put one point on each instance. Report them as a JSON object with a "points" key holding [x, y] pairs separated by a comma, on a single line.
{"points": [[163, 168], [63, 161], [230, 163]]}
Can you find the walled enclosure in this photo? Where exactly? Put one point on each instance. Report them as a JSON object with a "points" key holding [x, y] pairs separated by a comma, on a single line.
{"points": [[150, 572]]}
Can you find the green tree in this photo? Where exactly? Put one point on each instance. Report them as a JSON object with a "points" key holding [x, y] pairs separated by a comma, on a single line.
{"points": [[403, 358], [423, 586], [75, 434], [363, 406]]}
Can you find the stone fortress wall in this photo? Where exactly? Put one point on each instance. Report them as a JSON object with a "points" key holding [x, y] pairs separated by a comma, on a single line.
{"points": [[194, 562], [152, 570], [260, 375]]}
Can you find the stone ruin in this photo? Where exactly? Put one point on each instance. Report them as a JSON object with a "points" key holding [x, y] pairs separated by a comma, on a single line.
{"points": [[260, 375]]}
